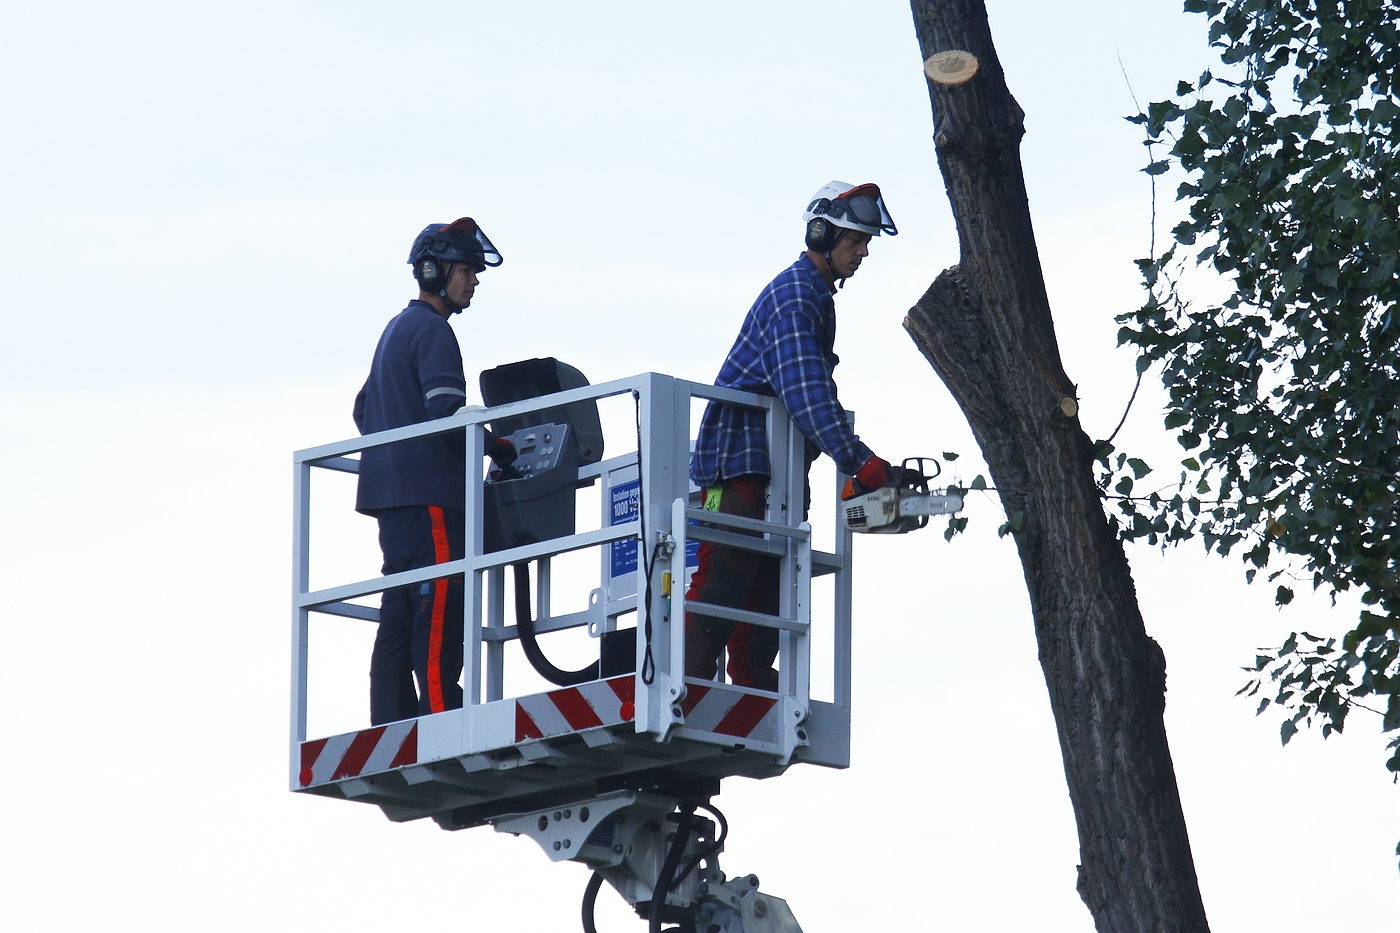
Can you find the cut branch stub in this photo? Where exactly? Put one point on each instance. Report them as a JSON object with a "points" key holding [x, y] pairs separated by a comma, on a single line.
{"points": [[951, 67]]}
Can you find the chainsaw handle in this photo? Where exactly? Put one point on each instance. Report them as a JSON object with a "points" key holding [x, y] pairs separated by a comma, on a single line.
{"points": [[904, 476], [915, 477]]}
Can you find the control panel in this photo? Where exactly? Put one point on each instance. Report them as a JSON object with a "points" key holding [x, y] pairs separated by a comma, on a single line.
{"points": [[537, 448]]}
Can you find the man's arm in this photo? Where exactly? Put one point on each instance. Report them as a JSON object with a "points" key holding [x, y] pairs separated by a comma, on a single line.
{"points": [[358, 413], [798, 370], [439, 364], [445, 389]]}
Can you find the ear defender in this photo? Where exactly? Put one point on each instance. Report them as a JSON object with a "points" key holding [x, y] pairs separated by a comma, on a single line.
{"points": [[821, 235], [429, 274]]}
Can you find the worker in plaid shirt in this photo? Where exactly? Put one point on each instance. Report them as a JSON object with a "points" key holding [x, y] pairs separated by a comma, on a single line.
{"points": [[785, 349]]}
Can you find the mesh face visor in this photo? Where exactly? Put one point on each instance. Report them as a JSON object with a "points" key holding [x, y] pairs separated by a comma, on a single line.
{"points": [[863, 207], [467, 237], [460, 241]]}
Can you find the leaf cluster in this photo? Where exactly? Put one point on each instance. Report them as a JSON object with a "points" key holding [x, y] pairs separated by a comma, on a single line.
{"points": [[1285, 395]]}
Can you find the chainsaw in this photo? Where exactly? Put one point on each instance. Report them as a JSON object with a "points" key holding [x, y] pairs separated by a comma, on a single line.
{"points": [[898, 509]]}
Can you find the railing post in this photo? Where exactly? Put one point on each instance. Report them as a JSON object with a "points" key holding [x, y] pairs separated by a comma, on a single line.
{"points": [[473, 578], [800, 681], [788, 465], [664, 455], [841, 675], [676, 567], [301, 628], [496, 620], [542, 588]]}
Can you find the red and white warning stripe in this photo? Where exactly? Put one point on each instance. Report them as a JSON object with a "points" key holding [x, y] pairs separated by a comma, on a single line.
{"points": [[573, 709], [730, 712], [354, 753]]}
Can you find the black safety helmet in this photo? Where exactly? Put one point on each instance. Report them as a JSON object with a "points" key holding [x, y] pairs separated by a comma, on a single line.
{"points": [[440, 246]]}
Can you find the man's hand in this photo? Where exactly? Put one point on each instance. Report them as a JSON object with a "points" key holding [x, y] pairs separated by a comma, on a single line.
{"points": [[872, 475], [502, 451], [875, 473]]}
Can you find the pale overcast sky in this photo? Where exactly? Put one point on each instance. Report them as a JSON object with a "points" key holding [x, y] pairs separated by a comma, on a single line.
{"points": [[204, 220]]}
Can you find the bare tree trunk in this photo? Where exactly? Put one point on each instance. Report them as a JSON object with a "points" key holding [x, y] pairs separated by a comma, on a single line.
{"points": [[985, 326]]}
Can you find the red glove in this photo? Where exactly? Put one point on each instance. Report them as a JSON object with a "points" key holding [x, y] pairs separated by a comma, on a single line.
{"points": [[875, 473], [501, 450]]}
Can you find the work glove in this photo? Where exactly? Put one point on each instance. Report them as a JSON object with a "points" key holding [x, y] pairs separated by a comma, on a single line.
{"points": [[501, 450], [873, 474], [502, 453]]}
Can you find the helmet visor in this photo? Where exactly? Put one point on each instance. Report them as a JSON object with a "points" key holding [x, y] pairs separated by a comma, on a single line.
{"points": [[465, 234], [864, 205]]}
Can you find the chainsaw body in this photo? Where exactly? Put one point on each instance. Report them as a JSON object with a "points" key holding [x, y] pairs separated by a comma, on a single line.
{"points": [[896, 510]]}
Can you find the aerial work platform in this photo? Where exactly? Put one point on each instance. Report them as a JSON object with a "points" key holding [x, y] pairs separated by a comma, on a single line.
{"points": [[640, 725]]}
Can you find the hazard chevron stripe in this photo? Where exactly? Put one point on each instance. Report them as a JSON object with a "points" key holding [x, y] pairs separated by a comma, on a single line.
{"points": [[382, 748], [730, 712], [573, 709]]}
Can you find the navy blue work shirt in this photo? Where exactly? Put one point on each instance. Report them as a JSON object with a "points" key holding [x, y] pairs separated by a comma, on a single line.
{"points": [[416, 376]]}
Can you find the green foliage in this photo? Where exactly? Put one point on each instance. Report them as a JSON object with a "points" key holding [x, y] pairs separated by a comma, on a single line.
{"points": [[957, 524], [1285, 395]]}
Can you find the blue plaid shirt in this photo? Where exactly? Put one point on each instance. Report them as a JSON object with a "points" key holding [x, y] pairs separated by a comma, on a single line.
{"points": [[785, 348]]}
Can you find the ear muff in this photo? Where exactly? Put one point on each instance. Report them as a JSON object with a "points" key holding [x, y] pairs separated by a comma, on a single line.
{"points": [[428, 271], [821, 234]]}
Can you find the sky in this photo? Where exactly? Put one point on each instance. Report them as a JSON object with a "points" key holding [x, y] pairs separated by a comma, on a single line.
{"points": [[205, 212]]}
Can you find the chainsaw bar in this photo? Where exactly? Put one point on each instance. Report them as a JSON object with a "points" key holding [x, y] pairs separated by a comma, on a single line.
{"points": [[931, 504]]}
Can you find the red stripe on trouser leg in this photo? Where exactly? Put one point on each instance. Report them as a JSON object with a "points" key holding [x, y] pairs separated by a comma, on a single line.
{"points": [[358, 753], [408, 751], [441, 555], [744, 715]]}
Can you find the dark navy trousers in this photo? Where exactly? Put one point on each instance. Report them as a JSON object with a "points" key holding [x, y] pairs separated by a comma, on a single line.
{"points": [[420, 627]]}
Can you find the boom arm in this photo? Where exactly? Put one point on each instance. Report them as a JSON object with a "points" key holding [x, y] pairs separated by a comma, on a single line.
{"points": [[639, 843]]}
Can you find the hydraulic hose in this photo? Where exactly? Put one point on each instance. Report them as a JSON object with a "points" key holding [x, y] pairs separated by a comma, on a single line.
{"points": [[525, 628], [590, 897], [668, 869], [710, 849]]}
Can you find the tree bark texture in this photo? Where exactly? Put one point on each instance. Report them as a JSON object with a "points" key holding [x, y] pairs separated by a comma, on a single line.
{"points": [[985, 327]]}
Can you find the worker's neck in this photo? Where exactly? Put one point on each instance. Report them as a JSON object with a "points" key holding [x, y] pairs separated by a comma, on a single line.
{"points": [[436, 301], [824, 268]]}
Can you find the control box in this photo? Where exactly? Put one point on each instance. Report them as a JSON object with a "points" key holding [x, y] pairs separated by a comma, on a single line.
{"points": [[533, 499]]}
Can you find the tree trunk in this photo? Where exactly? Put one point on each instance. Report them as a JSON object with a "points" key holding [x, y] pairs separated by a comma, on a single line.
{"points": [[985, 327]]}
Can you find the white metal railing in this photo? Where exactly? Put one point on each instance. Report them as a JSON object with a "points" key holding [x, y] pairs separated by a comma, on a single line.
{"points": [[661, 527]]}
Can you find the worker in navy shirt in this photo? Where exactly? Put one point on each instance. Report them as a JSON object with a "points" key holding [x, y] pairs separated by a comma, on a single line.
{"points": [[785, 348], [416, 489]]}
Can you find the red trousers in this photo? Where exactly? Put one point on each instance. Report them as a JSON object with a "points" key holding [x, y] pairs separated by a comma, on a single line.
{"points": [[740, 579]]}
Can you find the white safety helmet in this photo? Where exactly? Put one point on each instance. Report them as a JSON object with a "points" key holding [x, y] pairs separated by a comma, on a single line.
{"points": [[848, 207]]}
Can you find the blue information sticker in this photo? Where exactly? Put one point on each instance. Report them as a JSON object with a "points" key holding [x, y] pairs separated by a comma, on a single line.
{"points": [[625, 507], [626, 504]]}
